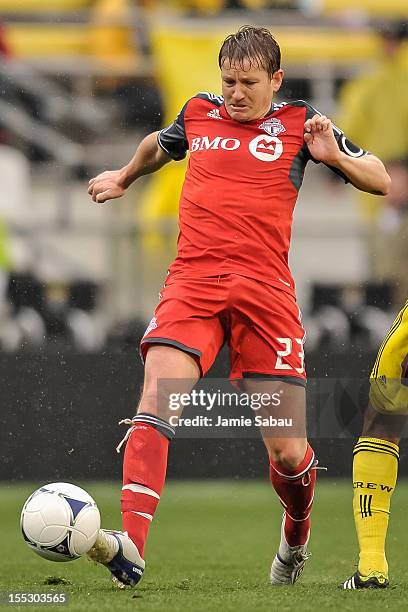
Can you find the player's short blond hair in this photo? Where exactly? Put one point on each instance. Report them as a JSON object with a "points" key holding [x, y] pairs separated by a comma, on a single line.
{"points": [[254, 44]]}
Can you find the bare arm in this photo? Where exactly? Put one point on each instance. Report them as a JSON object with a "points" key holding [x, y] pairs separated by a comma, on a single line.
{"points": [[148, 158], [366, 173]]}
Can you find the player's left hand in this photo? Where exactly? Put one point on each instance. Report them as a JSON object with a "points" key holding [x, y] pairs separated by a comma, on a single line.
{"points": [[320, 139]]}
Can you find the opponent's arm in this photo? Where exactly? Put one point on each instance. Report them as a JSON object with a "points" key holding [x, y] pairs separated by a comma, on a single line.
{"points": [[148, 158], [366, 173]]}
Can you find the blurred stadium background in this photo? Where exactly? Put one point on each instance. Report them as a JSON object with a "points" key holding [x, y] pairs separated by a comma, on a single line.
{"points": [[82, 81]]}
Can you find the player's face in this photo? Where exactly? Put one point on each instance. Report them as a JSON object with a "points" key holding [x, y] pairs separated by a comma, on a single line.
{"points": [[248, 90]]}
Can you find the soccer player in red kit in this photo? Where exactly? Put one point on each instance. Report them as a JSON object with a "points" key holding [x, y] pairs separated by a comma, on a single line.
{"points": [[230, 281]]}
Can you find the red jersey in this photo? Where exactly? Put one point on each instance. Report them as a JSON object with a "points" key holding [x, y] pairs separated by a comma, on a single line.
{"points": [[240, 188]]}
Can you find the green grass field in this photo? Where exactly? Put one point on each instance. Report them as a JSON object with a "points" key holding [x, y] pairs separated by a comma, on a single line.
{"points": [[210, 548]]}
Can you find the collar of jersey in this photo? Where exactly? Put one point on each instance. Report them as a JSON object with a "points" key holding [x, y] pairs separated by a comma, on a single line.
{"points": [[225, 115]]}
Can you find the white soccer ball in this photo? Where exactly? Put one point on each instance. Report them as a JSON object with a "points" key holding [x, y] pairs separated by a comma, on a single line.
{"points": [[60, 521]]}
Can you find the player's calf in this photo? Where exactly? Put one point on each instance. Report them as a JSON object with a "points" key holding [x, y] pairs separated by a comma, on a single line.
{"points": [[144, 474], [375, 466], [295, 488]]}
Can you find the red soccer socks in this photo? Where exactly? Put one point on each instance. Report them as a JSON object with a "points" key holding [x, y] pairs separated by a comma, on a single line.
{"points": [[144, 474], [295, 489]]}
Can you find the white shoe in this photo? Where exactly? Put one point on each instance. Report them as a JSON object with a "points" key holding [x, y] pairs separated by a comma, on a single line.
{"points": [[120, 555], [289, 561]]}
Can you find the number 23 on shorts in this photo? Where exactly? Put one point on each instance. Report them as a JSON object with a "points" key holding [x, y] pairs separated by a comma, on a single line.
{"points": [[292, 348]]}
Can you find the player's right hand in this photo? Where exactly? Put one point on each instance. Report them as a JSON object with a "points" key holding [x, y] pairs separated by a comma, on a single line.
{"points": [[106, 186]]}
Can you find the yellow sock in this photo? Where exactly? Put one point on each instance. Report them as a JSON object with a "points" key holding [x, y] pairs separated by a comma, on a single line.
{"points": [[375, 468]]}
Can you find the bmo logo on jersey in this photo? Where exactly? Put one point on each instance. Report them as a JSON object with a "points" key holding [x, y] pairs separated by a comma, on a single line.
{"points": [[264, 147], [205, 144]]}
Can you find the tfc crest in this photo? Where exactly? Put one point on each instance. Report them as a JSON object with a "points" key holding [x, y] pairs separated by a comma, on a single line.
{"points": [[273, 127]]}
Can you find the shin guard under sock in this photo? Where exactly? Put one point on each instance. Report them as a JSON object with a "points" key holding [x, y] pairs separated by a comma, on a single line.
{"points": [[144, 474], [295, 489]]}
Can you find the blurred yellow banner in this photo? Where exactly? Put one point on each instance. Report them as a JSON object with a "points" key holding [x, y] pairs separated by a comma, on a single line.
{"points": [[186, 63]]}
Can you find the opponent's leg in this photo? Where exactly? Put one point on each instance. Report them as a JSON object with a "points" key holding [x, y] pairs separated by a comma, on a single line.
{"points": [[376, 455], [144, 466], [375, 467]]}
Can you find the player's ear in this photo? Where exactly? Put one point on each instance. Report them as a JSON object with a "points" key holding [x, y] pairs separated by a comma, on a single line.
{"points": [[277, 79]]}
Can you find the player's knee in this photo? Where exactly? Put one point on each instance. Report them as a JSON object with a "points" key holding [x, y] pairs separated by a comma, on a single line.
{"points": [[288, 456]]}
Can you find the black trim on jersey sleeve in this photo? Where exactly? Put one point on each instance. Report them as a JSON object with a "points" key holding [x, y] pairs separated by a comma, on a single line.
{"points": [[297, 169], [173, 139], [345, 145], [210, 97]]}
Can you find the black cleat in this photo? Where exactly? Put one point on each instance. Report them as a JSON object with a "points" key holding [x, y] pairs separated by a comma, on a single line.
{"points": [[375, 580]]}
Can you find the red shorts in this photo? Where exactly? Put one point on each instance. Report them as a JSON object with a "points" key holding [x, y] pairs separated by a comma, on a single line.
{"points": [[260, 323]]}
